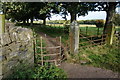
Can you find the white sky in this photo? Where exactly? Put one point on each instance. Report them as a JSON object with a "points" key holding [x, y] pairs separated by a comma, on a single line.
{"points": [[91, 15]]}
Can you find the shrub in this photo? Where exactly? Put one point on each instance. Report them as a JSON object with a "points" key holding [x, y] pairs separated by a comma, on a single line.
{"points": [[116, 19], [49, 72], [99, 23]]}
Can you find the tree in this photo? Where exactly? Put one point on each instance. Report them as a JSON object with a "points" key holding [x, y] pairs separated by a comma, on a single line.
{"points": [[25, 11], [76, 8], [109, 7], [45, 12], [116, 19], [17, 11], [110, 14]]}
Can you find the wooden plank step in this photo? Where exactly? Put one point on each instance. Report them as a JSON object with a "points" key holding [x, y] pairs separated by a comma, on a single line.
{"points": [[51, 54], [49, 60], [49, 47]]}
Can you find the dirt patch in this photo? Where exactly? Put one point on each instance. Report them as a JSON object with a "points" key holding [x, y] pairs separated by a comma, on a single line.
{"points": [[79, 71]]}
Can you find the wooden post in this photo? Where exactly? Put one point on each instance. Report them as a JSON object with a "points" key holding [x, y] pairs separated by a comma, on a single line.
{"points": [[60, 49], [41, 51], [34, 43], [98, 31], [2, 30], [102, 39], [86, 29], [2, 23], [110, 33], [74, 37]]}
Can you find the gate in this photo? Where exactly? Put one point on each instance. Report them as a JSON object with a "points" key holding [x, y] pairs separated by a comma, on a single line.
{"points": [[90, 41], [46, 53]]}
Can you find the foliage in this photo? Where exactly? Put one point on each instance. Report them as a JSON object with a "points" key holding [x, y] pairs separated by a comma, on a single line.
{"points": [[22, 11], [39, 72], [59, 22], [75, 8], [99, 23], [116, 19], [92, 22], [25, 11], [49, 72]]}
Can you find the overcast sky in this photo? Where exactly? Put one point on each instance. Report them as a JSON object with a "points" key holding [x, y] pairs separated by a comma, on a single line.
{"points": [[91, 15]]}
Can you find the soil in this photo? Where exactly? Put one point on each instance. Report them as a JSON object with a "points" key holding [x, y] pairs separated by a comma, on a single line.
{"points": [[80, 71]]}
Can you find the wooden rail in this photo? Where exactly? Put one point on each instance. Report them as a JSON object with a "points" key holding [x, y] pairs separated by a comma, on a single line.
{"points": [[91, 41], [42, 55]]}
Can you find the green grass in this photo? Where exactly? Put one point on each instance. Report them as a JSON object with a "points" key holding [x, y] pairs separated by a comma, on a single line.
{"points": [[39, 72], [53, 31], [91, 31], [118, 29], [103, 56]]}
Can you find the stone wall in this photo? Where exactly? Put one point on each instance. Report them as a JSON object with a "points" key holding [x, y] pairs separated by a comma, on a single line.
{"points": [[16, 48]]}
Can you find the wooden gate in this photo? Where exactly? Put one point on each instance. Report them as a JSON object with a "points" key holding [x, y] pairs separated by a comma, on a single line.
{"points": [[90, 41], [47, 54]]}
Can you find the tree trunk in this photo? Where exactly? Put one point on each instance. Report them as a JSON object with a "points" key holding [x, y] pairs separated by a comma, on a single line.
{"points": [[31, 21], [73, 16], [44, 21], [24, 22], [110, 14], [27, 21]]}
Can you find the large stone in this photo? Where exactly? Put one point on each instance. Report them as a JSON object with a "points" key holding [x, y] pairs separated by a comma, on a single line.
{"points": [[5, 39], [3, 58], [0, 68], [14, 47], [74, 37], [13, 36], [5, 50], [12, 55]]}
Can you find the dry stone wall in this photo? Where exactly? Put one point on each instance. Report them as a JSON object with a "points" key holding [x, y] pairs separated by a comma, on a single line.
{"points": [[16, 48]]}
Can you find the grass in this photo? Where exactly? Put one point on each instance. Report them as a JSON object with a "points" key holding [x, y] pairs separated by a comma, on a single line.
{"points": [[53, 31], [91, 31], [38, 72], [104, 56]]}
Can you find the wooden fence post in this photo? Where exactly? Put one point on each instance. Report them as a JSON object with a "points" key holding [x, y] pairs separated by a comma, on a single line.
{"points": [[110, 33], [86, 29], [2, 23], [74, 37], [98, 31], [41, 51]]}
